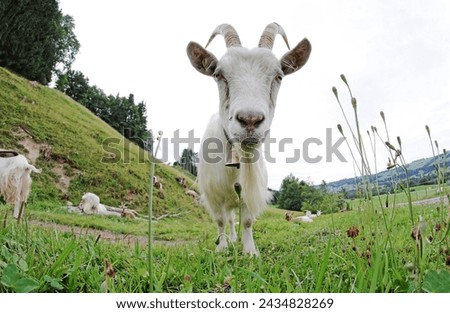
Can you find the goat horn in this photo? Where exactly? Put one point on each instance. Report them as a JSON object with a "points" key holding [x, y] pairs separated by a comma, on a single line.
{"points": [[268, 36], [229, 33]]}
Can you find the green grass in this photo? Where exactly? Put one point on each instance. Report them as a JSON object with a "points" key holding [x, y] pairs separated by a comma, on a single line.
{"points": [[312, 257]]}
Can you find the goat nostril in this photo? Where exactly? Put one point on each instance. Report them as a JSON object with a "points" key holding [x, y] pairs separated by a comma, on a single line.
{"points": [[250, 121], [259, 119], [242, 120]]}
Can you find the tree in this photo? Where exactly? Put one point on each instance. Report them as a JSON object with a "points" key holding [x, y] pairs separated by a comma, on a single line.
{"points": [[298, 195], [36, 38], [75, 85], [121, 113], [188, 161], [290, 196]]}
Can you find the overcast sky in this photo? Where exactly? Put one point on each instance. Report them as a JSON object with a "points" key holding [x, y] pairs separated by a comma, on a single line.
{"points": [[395, 55]]}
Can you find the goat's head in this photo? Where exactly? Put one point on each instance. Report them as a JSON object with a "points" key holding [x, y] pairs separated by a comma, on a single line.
{"points": [[248, 80]]}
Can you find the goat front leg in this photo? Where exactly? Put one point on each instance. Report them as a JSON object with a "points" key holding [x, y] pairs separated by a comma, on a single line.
{"points": [[247, 236], [222, 240], [22, 209], [17, 209]]}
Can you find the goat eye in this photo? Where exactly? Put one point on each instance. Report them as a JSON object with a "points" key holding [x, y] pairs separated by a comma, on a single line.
{"points": [[278, 77], [218, 76]]}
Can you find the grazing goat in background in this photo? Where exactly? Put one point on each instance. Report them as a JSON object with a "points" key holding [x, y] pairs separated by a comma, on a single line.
{"points": [[248, 82], [15, 180]]}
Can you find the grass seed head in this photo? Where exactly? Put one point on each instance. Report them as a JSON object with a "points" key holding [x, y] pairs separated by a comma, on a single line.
{"points": [[334, 89], [399, 140], [354, 103], [238, 188], [390, 146], [339, 127]]}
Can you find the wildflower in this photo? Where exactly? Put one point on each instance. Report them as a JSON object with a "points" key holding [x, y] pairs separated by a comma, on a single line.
{"points": [[367, 254], [437, 227], [353, 232], [109, 270], [415, 233]]}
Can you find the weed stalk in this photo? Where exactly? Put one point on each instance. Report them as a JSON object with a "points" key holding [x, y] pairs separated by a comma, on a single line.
{"points": [[152, 159]]}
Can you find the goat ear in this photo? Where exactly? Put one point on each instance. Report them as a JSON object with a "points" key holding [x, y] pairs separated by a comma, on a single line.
{"points": [[201, 59], [294, 59]]}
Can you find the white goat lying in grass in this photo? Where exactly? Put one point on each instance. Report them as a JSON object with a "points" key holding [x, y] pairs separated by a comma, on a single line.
{"points": [[303, 218], [248, 82], [90, 204], [15, 180]]}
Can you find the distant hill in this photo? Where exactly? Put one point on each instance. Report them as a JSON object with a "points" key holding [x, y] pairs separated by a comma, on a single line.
{"points": [[420, 172], [78, 152]]}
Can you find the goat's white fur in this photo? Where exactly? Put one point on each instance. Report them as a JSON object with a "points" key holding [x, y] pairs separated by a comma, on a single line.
{"points": [[313, 216], [216, 184], [248, 82], [303, 218], [90, 204], [15, 181]]}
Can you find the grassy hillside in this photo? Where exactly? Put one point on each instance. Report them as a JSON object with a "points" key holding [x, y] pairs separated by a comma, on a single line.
{"points": [[78, 152]]}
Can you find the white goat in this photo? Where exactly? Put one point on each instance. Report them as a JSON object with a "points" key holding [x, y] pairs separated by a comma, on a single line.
{"points": [[303, 218], [313, 216], [248, 82], [157, 183], [15, 180], [90, 204]]}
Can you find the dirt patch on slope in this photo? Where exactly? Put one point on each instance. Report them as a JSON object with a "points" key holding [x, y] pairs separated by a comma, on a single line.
{"points": [[34, 150]]}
